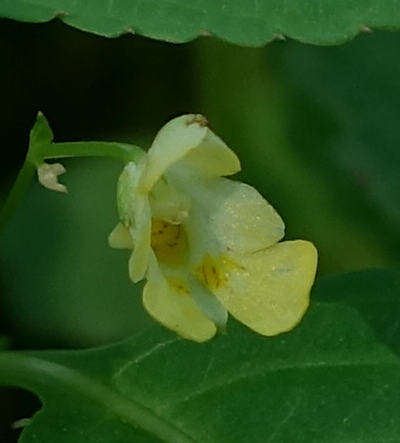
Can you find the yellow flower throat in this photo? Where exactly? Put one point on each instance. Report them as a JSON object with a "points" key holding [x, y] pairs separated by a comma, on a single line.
{"points": [[214, 272], [168, 242]]}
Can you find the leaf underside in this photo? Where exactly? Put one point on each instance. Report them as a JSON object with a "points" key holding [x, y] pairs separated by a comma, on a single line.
{"points": [[335, 378], [249, 23]]}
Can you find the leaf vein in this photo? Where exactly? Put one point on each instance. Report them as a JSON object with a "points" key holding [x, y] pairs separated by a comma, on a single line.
{"points": [[238, 377]]}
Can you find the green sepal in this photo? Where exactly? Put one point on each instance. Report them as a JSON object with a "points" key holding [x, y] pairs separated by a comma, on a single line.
{"points": [[40, 136]]}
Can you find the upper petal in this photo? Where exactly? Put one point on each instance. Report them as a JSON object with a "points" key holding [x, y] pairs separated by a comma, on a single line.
{"points": [[187, 138], [269, 290], [173, 141], [212, 157], [170, 303]]}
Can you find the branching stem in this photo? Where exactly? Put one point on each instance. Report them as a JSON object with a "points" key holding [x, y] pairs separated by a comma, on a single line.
{"points": [[42, 148]]}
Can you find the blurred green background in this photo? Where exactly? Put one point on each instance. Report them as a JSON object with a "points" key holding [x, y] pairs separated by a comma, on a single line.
{"points": [[316, 129]]}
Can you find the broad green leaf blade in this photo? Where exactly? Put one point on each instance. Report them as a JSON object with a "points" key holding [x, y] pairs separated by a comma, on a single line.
{"points": [[333, 379], [246, 23]]}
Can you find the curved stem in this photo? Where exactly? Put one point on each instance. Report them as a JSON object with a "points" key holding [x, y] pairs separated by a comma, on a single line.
{"points": [[38, 374], [118, 151], [39, 152]]}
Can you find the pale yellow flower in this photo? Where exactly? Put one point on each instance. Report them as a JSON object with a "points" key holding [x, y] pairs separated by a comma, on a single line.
{"points": [[205, 244]]}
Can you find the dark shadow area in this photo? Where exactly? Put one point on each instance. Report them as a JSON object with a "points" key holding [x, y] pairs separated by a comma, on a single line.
{"points": [[15, 406]]}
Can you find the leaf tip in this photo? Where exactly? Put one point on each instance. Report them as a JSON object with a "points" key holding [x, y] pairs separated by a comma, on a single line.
{"points": [[280, 37], [129, 30], [61, 14], [365, 28]]}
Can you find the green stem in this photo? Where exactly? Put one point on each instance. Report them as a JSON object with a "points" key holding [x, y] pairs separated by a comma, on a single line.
{"points": [[17, 191], [118, 151], [37, 374], [39, 152]]}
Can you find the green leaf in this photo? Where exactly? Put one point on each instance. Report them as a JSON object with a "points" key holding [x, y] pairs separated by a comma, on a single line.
{"points": [[335, 378], [246, 23], [361, 106]]}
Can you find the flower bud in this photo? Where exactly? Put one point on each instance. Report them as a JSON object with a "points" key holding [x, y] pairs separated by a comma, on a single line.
{"points": [[48, 176]]}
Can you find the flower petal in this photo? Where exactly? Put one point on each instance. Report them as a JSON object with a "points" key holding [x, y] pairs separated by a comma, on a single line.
{"points": [[269, 291], [120, 237], [229, 217], [173, 141], [242, 220], [169, 203], [141, 234], [170, 303], [188, 139], [127, 190], [212, 157], [208, 303]]}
